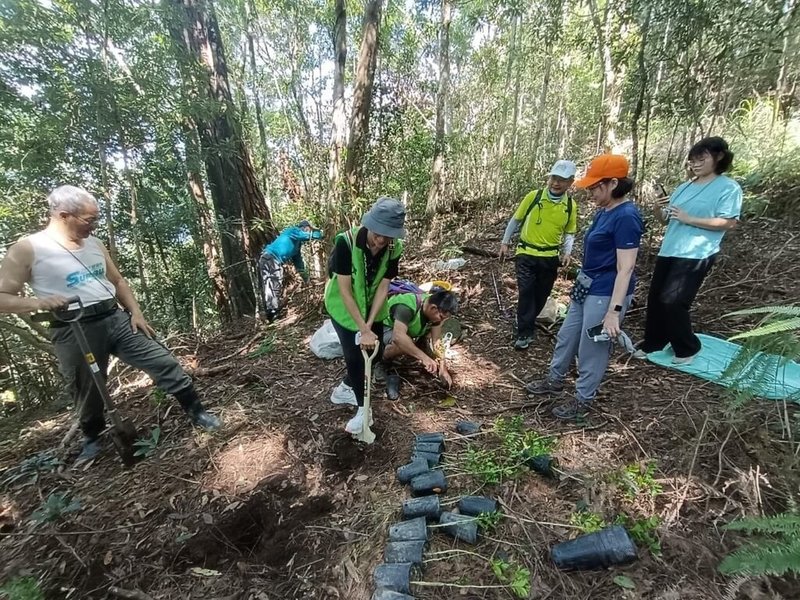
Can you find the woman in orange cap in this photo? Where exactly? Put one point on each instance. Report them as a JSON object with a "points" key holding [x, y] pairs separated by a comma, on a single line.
{"points": [[603, 289]]}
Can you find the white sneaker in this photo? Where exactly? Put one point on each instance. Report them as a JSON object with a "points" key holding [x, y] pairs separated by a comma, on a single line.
{"points": [[684, 360], [356, 424], [344, 394]]}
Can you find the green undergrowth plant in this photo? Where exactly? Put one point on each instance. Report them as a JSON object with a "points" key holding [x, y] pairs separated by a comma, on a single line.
{"points": [[55, 507], [512, 576], [587, 521], [21, 588], [775, 552], [766, 349], [147, 446], [489, 521], [517, 578], [30, 469], [265, 348], [643, 531], [498, 463], [637, 480]]}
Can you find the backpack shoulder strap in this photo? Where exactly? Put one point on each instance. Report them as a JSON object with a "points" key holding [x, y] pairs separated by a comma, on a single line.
{"points": [[570, 207], [537, 200]]}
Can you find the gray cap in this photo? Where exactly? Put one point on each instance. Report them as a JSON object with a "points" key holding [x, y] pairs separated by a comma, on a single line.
{"points": [[386, 217]]}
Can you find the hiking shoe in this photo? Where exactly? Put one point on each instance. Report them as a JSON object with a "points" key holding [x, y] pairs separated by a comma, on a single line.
{"points": [[544, 386], [203, 419], [523, 343], [344, 394], [356, 424], [572, 410], [684, 360], [90, 450], [393, 387]]}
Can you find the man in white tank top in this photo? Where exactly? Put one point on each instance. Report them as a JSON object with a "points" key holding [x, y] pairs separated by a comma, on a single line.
{"points": [[65, 260]]}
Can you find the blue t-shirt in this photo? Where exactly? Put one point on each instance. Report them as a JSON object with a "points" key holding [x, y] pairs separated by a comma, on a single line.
{"points": [[619, 228], [721, 197]]}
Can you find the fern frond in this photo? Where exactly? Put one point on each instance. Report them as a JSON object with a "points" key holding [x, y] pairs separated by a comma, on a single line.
{"points": [[770, 328], [786, 311], [768, 557], [785, 523]]}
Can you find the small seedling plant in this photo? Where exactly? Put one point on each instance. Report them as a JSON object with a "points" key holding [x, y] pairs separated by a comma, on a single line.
{"points": [[21, 588], [55, 507], [517, 444], [643, 531], [147, 446], [517, 578], [30, 469], [587, 521], [637, 480]]}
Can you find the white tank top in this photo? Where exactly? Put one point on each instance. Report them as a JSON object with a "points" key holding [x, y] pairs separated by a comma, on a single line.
{"points": [[57, 272]]}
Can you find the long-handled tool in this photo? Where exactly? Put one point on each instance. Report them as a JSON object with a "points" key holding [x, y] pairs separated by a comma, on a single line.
{"points": [[123, 432], [366, 434]]}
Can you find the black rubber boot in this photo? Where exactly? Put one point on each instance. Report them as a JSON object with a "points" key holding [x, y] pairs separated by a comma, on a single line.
{"points": [[393, 387], [198, 415]]}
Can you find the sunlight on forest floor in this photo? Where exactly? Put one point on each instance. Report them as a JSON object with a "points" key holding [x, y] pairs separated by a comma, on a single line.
{"points": [[240, 466]]}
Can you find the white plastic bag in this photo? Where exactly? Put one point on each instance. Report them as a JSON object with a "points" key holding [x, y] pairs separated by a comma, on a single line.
{"points": [[325, 342], [551, 311], [450, 265]]}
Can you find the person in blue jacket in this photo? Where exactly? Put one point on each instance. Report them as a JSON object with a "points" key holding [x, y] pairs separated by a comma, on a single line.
{"points": [[284, 248]]}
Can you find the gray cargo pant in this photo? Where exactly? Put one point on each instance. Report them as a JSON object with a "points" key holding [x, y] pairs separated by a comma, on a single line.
{"points": [[573, 341], [111, 335]]}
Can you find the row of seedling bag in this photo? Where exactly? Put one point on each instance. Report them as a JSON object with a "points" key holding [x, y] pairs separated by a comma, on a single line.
{"points": [[423, 513]]}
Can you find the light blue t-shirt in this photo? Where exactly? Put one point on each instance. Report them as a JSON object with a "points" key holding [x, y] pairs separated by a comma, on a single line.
{"points": [[721, 198]]}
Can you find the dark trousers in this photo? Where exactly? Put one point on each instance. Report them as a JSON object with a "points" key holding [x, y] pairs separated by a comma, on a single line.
{"points": [[271, 276], [535, 278], [353, 359], [673, 288], [107, 336]]}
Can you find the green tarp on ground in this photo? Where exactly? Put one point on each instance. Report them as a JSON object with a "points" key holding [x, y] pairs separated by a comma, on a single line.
{"points": [[778, 381]]}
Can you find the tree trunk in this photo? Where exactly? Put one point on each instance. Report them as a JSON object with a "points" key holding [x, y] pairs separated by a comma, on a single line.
{"points": [[208, 232], [242, 213], [362, 97], [250, 15], [501, 141], [339, 120], [436, 192], [613, 77], [107, 206], [637, 111]]}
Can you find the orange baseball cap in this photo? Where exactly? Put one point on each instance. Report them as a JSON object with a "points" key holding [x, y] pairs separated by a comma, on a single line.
{"points": [[605, 166]]}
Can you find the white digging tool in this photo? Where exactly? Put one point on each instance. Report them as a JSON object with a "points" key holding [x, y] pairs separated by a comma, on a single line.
{"points": [[366, 434]]}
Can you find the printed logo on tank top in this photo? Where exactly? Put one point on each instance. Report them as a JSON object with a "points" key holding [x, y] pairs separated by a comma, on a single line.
{"points": [[78, 278]]}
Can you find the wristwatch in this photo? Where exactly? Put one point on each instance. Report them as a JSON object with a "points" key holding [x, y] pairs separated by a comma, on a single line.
{"points": [[617, 308]]}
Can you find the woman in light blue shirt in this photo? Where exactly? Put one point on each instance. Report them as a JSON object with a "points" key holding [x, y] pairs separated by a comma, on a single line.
{"points": [[699, 213]]}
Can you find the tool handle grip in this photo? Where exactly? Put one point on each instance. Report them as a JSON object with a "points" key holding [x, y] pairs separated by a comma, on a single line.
{"points": [[65, 315]]}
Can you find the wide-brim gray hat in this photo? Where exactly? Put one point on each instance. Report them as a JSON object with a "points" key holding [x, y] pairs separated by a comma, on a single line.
{"points": [[387, 217]]}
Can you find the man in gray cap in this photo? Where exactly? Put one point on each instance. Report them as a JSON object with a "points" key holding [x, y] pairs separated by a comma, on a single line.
{"points": [[364, 260], [547, 221]]}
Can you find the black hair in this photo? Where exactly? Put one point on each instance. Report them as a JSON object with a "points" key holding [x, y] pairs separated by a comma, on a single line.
{"points": [[719, 151], [624, 186], [445, 301]]}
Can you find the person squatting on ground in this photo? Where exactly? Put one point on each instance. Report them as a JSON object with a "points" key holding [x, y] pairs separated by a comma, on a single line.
{"points": [[364, 260], [413, 318], [547, 221], [65, 260], [287, 247], [603, 289], [698, 214]]}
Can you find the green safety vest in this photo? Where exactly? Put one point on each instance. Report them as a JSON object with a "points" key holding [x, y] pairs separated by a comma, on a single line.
{"points": [[415, 302], [362, 294]]}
